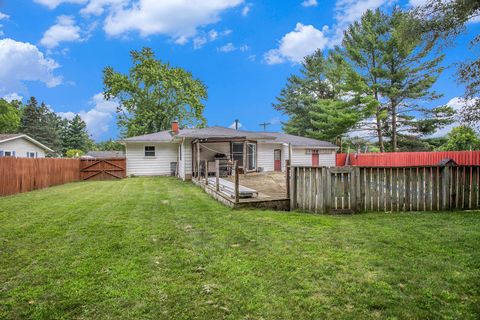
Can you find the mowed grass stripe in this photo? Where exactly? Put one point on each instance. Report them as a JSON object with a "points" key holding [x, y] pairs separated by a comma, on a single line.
{"points": [[160, 248]]}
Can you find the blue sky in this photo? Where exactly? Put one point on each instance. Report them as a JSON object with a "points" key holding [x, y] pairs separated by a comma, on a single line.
{"points": [[244, 51]]}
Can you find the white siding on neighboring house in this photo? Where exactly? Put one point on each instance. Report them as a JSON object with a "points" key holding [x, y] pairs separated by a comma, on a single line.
{"points": [[300, 157], [21, 146], [140, 165], [265, 152]]}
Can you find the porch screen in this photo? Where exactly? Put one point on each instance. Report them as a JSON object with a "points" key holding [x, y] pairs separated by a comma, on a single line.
{"points": [[237, 152], [252, 156]]}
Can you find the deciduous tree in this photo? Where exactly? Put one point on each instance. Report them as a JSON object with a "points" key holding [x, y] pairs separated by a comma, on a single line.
{"points": [[153, 94]]}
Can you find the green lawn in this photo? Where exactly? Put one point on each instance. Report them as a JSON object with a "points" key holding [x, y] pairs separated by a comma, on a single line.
{"points": [[159, 248]]}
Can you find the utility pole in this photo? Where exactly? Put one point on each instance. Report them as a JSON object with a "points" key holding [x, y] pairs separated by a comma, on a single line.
{"points": [[264, 125]]}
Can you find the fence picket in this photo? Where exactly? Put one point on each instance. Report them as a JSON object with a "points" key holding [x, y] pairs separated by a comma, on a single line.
{"points": [[324, 190]]}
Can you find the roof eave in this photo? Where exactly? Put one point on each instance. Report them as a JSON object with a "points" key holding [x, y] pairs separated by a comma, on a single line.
{"points": [[29, 139]]}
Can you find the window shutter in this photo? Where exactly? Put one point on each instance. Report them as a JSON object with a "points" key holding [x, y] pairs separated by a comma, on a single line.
{"points": [[13, 153], [1, 153], [36, 154]]}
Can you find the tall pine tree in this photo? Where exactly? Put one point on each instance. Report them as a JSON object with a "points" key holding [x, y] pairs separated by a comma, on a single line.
{"points": [[406, 75], [76, 135], [302, 92], [40, 123], [362, 49]]}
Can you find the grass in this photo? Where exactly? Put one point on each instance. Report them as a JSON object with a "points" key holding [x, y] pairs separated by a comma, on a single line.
{"points": [[159, 248]]}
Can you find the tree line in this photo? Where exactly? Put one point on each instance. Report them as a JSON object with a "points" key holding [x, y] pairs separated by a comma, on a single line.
{"points": [[65, 137], [377, 83]]}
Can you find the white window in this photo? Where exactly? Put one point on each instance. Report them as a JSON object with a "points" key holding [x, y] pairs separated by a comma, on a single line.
{"points": [[9, 153], [149, 151], [30, 154]]}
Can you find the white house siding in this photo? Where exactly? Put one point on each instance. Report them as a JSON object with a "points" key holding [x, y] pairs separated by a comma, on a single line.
{"points": [[300, 157], [185, 164], [159, 165], [21, 146], [265, 153]]}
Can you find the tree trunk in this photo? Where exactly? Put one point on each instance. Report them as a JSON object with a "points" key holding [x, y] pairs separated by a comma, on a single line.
{"points": [[379, 133], [375, 94], [394, 127]]}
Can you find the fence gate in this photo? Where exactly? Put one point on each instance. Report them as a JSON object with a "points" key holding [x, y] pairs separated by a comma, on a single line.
{"points": [[325, 190], [341, 184], [102, 169]]}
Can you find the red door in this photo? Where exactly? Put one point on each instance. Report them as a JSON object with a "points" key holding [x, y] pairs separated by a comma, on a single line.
{"points": [[315, 159], [277, 158]]}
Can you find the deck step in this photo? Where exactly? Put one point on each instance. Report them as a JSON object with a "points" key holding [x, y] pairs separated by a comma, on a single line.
{"points": [[228, 188]]}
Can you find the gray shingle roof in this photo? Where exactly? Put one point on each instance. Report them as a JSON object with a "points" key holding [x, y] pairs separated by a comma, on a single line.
{"points": [[11, 136], [6, 136], [227, 133], [106, 154], [297, 141]]}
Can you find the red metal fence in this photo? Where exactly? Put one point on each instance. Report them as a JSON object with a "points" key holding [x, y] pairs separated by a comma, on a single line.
{"points": [[407, 159]]}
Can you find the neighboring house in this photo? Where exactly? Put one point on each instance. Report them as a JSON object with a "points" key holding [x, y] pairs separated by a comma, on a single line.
{"points": [[21, 146], [104, 154], [183, 152]]}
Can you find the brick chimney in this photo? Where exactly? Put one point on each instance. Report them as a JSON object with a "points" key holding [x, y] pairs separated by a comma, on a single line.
{"points": [[175, 129]]}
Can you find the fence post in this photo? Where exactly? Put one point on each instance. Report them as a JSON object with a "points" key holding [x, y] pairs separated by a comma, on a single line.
{"points": [[328, 187], [205, 165], [287, 174], [235, 168], [293, 188], [217, 175]]}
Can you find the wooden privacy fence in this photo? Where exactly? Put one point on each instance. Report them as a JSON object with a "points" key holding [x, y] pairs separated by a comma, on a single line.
{"points": [[357, 189], [24, 174], [102, 168]]}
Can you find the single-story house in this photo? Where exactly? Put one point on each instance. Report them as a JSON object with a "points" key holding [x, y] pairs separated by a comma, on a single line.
{"points": [[104, 154], [21, 146], [184, 152]]}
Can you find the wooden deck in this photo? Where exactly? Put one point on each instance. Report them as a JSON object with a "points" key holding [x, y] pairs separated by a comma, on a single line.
{"points": [[274, 203], [228, 188]]}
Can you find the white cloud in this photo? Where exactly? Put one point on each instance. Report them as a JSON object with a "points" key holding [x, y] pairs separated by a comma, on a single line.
{"points": [[210, 36], [232, 126], [417, 3], [12, 96], [309, 3], [21, 62], [64, 30], [52, 4], [4, 16], [295, 45], [97, 7], [348, 11], [229, 47], [456, 103], [305, 39], [246, 10], [178, 19], [99, 118]]}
